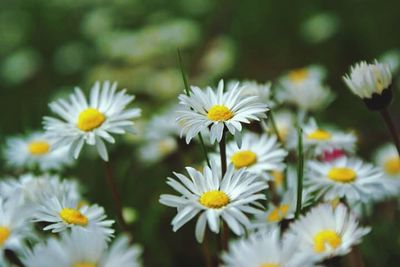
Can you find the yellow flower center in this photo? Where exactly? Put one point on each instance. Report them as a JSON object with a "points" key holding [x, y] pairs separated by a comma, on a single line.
{"points": [[219, 113], [38, 148], [73, 216], [278, 214], [325, 240], [84, 264], [278, 177], [392, 166], [319, 135], [90, 119], [244, 158], [214, 199], [269, 265], [342, 175], [4, 234], [299, 75]]}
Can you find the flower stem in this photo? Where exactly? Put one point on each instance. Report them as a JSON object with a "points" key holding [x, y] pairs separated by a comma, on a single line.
{"points": [[300, 171], [222, 149], [112, 185], [392, 128], [354, 258], [274, 127], [187, 90]]}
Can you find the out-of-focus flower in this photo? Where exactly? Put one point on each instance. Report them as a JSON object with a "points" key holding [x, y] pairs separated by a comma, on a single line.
{"points": [[371, 82], [82, 122], [304, 89], [258, 154], [253, 88], [391, 58], [388, 159], [319, 28], [326, 232], [62, 213], [319, 140], [215, 198], [284, 120], [347, 178], [264, 249], [80, 248], [217, 110], [35, 150]]}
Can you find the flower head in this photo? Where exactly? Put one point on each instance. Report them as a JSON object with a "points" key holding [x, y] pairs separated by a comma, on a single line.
{"points": [[215, 198], [91, 122], [207, 109]]}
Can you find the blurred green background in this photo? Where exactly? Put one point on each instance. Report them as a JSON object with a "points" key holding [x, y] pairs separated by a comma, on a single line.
{"points": [[48, 47]]}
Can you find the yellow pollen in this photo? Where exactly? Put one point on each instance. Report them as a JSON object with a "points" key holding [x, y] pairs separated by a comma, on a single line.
{"points": [[84, 264], [326, 240], [269, 265], [299, 75], [4, 234], [278, 214], [38, 148], [214, 199], [278, 177], [342, 175], [244, 158], [319, 135], [219, 113], [392, 166], [73, 216], [90, 119]]}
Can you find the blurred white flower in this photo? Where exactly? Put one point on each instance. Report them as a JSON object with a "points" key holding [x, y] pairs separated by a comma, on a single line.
{"points": [[35, 150], [82, 122]]}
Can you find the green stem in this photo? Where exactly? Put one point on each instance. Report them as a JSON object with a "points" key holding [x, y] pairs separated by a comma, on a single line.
{"points": [[274, 127], [222, 149], [300, 171], [187, 90], [392, 128]]}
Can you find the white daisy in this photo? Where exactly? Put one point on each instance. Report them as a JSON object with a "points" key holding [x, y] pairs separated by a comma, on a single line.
{"points": [[35, 150], [264, 249], [326, 232], [214, 197], [258, 154], [284, 210], [14, 225], [82, 122], [63, 212], [320, 140], [388, 159], [205, 109], [80, 248], [365, 79], [304, 89], [347, 178]]}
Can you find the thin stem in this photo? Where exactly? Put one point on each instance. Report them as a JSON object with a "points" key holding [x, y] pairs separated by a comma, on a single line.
{"points": [[274, 127], [222, 149], [354, 258], [115, 195], [392, 128], [300, 171], [187, 90], [206, 251]]}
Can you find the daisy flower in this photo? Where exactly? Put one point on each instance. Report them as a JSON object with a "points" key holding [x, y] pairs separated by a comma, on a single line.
{"points": [[388, 159], [215, 111], [365, 79], [63, 212], [284, 210], [264, 249], [80, 248], [347, 178], [319, 140], [326, 232], [91, 122], [14, 226], [304, 89], [35, 150], [214, 198], [258, 154]]}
